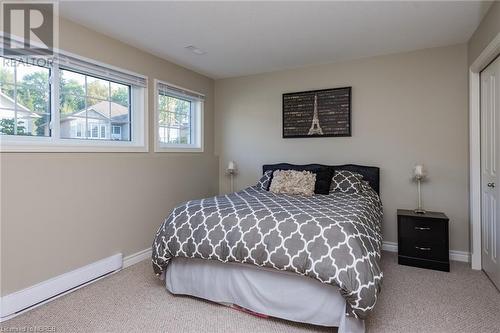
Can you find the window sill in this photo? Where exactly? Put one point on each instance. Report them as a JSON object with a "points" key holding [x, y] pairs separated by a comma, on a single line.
{"points": [[178, 149], [45, 145]]}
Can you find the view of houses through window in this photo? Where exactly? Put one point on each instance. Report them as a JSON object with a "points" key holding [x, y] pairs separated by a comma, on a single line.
{"points": [[90, 107], [24, 100], [101, 107]]}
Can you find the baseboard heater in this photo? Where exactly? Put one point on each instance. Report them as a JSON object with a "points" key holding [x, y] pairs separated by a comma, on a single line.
{"points": [[43, 292]]}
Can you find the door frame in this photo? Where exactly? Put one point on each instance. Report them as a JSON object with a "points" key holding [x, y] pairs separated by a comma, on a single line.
{"points": [[487, 55]]}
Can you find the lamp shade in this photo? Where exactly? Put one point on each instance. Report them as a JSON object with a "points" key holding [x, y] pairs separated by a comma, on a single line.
{"points": [[419, 171], [231, 165]]}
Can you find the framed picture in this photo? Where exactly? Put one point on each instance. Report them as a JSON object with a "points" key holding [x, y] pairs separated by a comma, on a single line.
{"points": [[317, 113]]}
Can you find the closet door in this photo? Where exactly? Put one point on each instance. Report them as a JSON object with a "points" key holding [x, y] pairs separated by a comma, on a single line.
{"points": [[490, 144]]}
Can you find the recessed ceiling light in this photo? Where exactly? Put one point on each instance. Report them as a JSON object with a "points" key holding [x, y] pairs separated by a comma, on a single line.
{"points": [[195, 50]]}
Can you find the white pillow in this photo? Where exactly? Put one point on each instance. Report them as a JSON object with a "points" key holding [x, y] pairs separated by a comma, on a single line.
{"points": [[293, 182]]}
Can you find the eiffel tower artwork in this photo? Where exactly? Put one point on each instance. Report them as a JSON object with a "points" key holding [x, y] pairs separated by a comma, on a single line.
{"points": [[315, 127], [317, 113]]}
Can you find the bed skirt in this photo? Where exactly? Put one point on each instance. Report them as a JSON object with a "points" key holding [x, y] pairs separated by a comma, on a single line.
{"points": [[274, 293]]}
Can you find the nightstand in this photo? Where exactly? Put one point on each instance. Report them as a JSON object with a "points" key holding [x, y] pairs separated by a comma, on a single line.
{"points": [[423, 240]]}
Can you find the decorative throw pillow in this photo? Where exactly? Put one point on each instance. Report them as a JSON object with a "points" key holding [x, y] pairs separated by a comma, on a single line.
{"points": [[323, 175], [265, 181], [323, 180], [293, 182], [346, 182], [365, 185]]}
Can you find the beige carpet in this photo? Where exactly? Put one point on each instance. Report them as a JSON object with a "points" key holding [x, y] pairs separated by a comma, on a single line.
{"points": [[412, 300]]}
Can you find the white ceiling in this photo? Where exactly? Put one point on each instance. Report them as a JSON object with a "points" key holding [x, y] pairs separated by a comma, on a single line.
{"points": [[242, 38]]}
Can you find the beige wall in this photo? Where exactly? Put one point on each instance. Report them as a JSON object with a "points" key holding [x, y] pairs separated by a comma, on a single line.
{"points": [[484, 34], [60, 211], [406, 108]]}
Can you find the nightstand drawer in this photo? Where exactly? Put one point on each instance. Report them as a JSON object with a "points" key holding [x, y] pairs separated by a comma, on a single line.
{"points": [[417, 228], [423, 240], [424, 249]]}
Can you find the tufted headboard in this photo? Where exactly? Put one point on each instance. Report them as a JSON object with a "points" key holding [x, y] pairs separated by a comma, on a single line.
{"points": [[369, 173]]}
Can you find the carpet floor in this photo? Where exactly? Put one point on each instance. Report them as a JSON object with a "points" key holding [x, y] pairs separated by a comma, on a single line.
{"points": [[134, 300]]}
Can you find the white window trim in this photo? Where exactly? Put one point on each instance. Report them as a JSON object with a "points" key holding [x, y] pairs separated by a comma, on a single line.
{"points": [[139, 126], [198, 146]]}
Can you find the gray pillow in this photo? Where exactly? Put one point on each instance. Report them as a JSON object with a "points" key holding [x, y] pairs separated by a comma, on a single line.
{"points": [[265, 180], [346, 182]]}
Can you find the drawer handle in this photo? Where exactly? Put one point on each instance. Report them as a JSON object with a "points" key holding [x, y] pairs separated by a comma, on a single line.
{"points": [[422, 228], [423, 248]]}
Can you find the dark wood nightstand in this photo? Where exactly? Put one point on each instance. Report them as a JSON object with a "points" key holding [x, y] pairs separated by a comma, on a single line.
{"points": [[423, 240]]}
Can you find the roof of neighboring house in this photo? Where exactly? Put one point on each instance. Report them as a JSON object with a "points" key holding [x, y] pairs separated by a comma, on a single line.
{"points": [[119, 113], [6, 102]]}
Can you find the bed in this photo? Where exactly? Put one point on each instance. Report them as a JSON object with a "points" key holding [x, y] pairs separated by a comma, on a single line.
{"points": [[306, 259]]}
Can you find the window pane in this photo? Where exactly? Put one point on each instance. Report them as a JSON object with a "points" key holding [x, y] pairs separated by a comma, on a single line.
{"points": [[97, 88], [71, 104], [71, 82], [32, 98], [119, 113], [183, 119], [120, 94], [99, 110]]}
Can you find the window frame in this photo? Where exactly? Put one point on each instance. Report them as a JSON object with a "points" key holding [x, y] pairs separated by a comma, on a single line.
{"points": [[54, 143], [197, 128]]}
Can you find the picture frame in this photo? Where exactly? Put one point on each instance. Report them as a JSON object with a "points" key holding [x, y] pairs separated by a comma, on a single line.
{"points": [[317, 113]]}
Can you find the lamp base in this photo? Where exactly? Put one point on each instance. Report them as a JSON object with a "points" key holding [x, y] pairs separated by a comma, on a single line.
{"points": [[419, 211]]}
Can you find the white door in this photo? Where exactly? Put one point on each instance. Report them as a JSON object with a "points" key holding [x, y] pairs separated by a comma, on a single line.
{"points": [[490, 187]]}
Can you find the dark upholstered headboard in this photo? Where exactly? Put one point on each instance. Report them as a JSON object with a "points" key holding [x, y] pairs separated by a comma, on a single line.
{"points": [[369, 173]]}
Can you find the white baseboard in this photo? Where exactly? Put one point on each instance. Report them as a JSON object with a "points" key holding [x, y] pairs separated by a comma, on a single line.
{"points": [[26, 299], [29, 298], [454, 255], [137, 257]]}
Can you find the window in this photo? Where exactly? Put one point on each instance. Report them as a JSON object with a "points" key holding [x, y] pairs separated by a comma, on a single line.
{"points": [[86, 100], [24, 100], [179, 119], [70, 104]]}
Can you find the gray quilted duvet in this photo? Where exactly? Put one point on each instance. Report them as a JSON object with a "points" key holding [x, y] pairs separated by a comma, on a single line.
{"points": [[335, 239]]}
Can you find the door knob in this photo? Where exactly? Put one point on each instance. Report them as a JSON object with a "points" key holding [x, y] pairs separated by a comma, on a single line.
{"points": [[491, 185]]}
